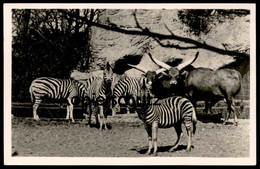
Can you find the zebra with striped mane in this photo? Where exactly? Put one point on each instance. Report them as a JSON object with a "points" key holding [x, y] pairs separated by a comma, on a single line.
{"points": [[127, 86], [131, 86], [100, 88], [164, 113], [57, 89]]}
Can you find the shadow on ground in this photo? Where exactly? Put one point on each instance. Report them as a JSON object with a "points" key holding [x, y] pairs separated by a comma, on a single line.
{"points": [[210, 118], [160, 149]]}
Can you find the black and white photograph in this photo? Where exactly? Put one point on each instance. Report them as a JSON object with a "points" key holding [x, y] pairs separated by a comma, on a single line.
{"points": [[129, 84]]}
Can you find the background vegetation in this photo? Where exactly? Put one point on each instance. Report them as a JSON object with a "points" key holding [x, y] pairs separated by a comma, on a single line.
{"points": [[52, 42]]}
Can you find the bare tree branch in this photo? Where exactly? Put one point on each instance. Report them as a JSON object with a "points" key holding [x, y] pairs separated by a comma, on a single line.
{"points": [[169, 29], [147, 32], [174, 46]]}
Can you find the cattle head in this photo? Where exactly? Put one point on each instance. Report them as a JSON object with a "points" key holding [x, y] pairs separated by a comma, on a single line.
{"points": [[150, 75], [173, 72]]}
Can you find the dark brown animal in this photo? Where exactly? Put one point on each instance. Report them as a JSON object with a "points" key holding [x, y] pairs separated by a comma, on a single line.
{"points": [[204, 84]]}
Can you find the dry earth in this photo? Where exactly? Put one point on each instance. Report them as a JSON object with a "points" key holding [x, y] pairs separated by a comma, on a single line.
{"points": [[126, 137]]}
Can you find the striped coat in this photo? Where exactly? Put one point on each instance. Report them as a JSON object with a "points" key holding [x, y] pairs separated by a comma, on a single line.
{"points": [[57, 89], [97, 88], [128, 86], [169, 112], [100, 87]]}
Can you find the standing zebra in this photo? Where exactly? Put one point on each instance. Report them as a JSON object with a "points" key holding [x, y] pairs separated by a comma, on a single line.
{"points": [[128, 86], [100, 88], [168, 112], [131, 86], [57, 89]]}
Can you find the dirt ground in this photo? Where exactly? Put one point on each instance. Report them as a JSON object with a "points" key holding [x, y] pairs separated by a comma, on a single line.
{"points": [[126, 137]]}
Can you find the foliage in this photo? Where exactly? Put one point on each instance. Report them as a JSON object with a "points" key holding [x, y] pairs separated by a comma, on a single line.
{"points": [[199, 21], [47, 43]]}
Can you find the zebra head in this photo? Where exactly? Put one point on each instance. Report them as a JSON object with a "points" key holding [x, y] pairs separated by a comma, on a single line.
{"points": [[108, 75], [145, 93]]}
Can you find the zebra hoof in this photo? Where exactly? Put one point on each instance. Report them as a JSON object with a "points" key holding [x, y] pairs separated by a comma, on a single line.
{"points": [[155, 153], [172, 150], [148, 152], [188, 149], [236, 123]]}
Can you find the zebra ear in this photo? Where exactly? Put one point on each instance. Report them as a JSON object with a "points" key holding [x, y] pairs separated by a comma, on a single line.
{"points": [[144, 83], [108, 67]]}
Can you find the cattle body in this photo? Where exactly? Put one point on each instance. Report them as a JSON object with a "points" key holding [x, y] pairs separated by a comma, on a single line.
{"points": [[202, 84], [213, 86]]}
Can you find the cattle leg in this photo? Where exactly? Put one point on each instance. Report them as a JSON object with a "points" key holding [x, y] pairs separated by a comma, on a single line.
{"points": [[148, 129], [231, 108], [127, 110], [210, 108], [179, 132], [154, 136], [206, 110]]}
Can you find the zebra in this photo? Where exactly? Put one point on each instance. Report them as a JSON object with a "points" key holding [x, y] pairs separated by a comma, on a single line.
{"points": [[57, 89], [100, 88], [127, 86], [166, 113], [131, 86]]}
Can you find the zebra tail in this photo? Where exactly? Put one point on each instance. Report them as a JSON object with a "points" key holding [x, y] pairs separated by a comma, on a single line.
{"points": [[194, 120], [32, 96], [242, 97]]}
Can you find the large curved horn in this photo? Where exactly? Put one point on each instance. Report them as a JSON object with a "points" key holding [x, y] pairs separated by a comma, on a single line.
{"points": [[144, 70], [190, 61], [160, 63], [162, 70]]}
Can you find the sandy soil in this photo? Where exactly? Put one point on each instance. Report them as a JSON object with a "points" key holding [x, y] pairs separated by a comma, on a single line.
{"points": [[126, 137]]}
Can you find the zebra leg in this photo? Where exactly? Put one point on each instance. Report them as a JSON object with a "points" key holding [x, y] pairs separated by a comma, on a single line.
{"points": [[179, 132], [188, 124], [101, 118], [148, 129], [35, 107], [68, 113], [105, 119], [189, 141], [71, 113], [154, 136], [90, 113], [70, 107]]}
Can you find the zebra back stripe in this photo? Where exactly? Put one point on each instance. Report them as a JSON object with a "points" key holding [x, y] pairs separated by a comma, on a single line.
{"points": [[56, 88], [128, 85], [169, 111]]}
